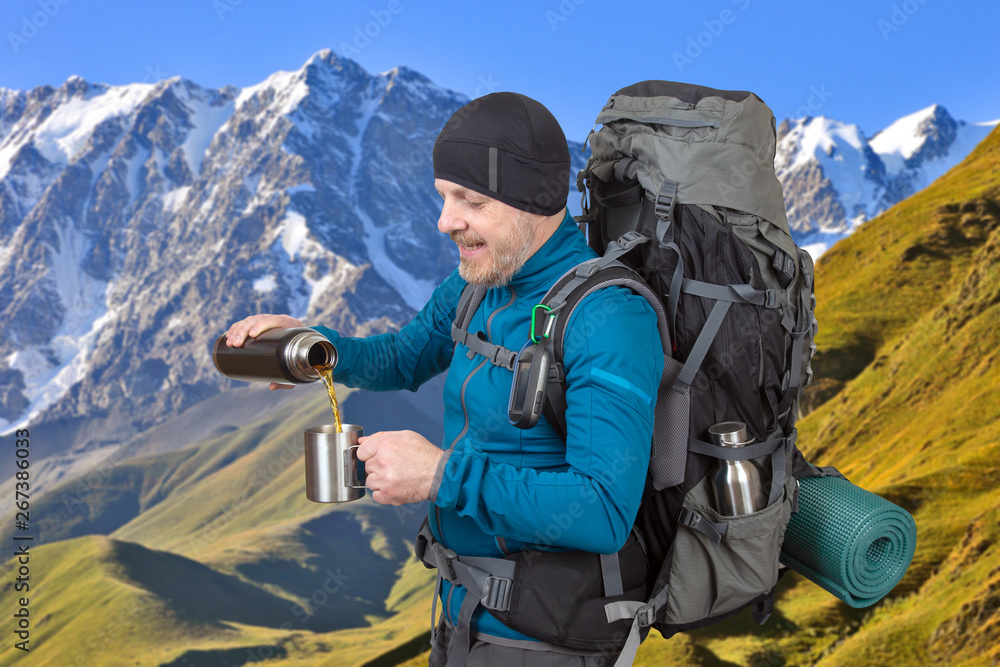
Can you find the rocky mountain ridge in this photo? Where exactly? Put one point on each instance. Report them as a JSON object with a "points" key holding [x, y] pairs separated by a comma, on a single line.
{"points": [[139, 221], [835, 177]]}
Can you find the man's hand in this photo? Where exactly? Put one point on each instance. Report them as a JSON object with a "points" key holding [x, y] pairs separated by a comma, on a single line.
{"points": [[400, 466], [255, 325]]}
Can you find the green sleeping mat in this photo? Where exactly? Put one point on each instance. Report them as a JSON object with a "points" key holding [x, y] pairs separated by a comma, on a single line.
{"points": [[853, 543]]}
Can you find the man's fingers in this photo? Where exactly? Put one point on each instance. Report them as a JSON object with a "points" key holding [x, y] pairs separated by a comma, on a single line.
{"points": [[382, 498], [257, 324], [367, 447], [253, 326], [237, 333], [275, 385]]}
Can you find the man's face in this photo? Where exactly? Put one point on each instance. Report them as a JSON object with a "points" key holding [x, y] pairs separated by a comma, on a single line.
{"points": [[494, 239]]}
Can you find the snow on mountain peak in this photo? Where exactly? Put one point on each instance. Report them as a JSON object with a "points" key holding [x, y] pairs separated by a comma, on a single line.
{"points": [[834, 178], [307, 192], [930, 140], [288, 86], [813, 136], [262, 198], [903, 138], [323, 56], [64, 132]]}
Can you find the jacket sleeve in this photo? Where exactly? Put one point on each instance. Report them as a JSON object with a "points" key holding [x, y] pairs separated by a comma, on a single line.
{"points": [[406, 359], [614, 361]]}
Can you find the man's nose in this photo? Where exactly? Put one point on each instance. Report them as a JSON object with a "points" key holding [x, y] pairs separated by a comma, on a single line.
{"points": [[449, 222]]}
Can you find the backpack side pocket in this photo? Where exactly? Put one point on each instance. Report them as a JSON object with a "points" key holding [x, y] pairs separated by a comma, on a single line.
{"points": [[708, 579]]}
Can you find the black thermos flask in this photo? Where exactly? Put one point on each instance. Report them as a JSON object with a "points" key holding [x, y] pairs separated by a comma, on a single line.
{"points": [[286, 356]]}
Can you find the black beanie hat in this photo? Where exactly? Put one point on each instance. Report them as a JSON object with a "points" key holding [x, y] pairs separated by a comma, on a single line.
{"points": [[509, 147]]}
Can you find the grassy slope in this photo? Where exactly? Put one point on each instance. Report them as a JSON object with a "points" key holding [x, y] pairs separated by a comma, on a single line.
{"points": [[87, 610], [223, 559], [920, 424], [878, 282], [100, 601], [919, 287]]}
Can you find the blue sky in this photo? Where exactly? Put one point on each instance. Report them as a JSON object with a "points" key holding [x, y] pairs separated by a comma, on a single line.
{"points": [[866, 62]]}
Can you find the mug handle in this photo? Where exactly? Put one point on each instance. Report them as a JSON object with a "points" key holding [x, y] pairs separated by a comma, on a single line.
{"points": [[351, 463]]}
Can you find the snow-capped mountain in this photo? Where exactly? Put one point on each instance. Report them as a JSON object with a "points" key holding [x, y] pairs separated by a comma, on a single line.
{"points": [[137, 222], [834, 177]]}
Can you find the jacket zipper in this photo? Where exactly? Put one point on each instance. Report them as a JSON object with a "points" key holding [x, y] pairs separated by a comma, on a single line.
{"points": [[465, 386]]}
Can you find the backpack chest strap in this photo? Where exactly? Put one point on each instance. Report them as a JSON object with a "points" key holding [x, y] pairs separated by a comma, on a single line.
{"points": [[498, 355], [468, 303]]}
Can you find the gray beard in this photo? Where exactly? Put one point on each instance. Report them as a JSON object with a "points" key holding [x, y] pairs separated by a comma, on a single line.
{"points": [[506, 258]]}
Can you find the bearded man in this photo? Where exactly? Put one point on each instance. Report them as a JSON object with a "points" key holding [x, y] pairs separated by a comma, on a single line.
{"points": [[502, 168]]}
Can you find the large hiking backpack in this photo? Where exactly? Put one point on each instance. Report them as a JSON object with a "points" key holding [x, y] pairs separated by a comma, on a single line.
{"points": [[685, 209], [691, 168]]}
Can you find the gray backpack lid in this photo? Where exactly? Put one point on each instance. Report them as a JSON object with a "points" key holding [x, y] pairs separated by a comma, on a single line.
{"points": [[717, 145]]}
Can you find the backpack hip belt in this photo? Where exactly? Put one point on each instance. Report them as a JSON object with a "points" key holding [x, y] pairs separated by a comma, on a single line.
{"points": [[488, 582], [513, 589]]}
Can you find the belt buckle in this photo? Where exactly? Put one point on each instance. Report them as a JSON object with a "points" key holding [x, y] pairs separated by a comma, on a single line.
{"points": [[444, 557]]}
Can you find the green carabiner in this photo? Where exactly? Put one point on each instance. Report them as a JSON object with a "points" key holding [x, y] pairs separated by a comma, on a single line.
{"points": [[534, 319]]}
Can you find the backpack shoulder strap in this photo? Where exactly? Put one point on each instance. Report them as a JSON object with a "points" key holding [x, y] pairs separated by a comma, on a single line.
{"points": [[568, 292], [468, 303]]}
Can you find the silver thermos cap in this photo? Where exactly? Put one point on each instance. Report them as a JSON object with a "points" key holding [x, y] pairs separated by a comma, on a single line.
{"points": [[730, 434]]}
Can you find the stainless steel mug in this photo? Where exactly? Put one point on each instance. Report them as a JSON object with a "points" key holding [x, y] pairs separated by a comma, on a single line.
{"points": [[738, 487], [333, 472]]}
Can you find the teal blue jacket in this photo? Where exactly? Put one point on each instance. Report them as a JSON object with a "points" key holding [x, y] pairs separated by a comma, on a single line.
{"points": [[499, 488]]}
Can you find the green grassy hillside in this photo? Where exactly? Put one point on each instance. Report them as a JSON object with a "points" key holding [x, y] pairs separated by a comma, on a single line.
{"points": [[105, 602], [215, 556]]}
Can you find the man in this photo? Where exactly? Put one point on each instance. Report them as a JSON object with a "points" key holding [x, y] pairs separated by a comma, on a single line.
{"points": [[501, 166]]}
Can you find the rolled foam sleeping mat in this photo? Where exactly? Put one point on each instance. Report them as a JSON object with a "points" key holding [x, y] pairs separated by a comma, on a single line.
{"points": [[852, 542]]}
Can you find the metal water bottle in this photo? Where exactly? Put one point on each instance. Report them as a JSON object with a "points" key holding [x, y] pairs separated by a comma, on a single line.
{"points": [[286, 356], [737, 484]]}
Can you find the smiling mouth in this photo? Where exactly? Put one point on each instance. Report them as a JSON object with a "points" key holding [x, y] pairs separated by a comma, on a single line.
{"points": [[471, 246]]}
